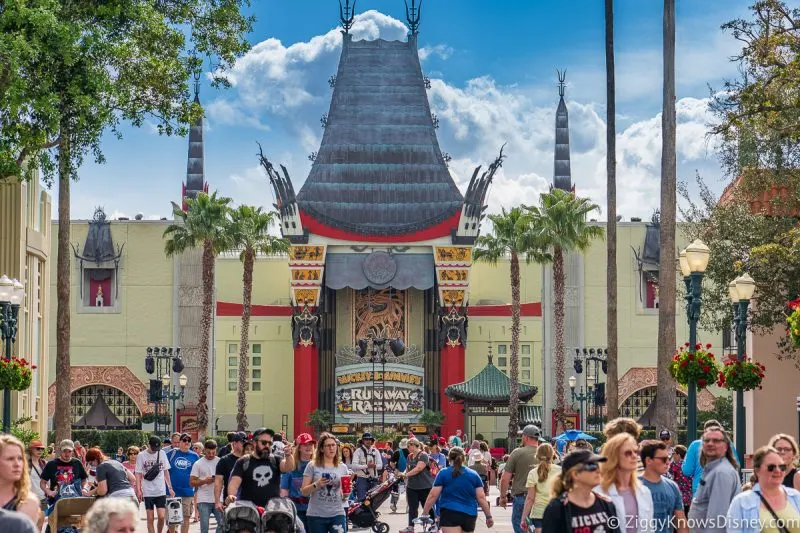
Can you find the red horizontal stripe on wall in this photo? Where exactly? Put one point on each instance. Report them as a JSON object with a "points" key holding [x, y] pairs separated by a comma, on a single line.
{"points": [[528, 309], [234, 309], [441, 229]]}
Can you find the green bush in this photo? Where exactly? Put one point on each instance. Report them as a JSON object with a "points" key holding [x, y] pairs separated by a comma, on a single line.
{"points": [[107, 440], [24, 434], [501, 443]]}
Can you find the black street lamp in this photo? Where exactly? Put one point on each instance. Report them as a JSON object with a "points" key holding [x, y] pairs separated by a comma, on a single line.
{"points": [[596, 360], [173, 394], [693, 262], [580, 397], [741, 291], [12, 292], [160, 361]]}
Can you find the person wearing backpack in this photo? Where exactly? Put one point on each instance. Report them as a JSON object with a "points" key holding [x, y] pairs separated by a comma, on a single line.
{"points": [[153, 482], [181, 460], [366, 464]]}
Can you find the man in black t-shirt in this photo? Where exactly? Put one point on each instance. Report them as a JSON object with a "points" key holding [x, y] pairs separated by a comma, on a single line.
{"points": [[256, 478], [64, 470], [225, 450], [222, 474]]}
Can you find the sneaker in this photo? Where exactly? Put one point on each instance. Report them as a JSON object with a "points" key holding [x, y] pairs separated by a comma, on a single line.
{"points": [[409, 529], [393, 507]]}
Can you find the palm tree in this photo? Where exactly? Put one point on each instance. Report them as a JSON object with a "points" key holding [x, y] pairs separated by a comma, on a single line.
{"points": [[511, 236], [204, 224], [665, 392], [559, 223], [612, 404], [249, 233]]}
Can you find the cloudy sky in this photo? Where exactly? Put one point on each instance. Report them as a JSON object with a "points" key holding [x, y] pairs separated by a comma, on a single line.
{"points": [[492, 68]]}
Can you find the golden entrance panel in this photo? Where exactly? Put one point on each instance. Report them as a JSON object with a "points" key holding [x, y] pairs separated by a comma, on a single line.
{"points": [[453, 275], [307, 253], [305, 296], [452, 298], [448, 254], [307, 274]]}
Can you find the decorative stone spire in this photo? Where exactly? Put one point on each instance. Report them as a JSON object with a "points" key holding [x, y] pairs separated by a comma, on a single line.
{"points": [[562, 176], [195, 174]]}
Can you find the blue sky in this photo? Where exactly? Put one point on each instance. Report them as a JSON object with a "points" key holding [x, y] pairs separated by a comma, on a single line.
{"points": [[492, 66]]}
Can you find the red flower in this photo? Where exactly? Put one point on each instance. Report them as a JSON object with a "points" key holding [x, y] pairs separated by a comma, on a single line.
{"points": [[691, 357], [698, 346], [706, 369], [701, 382], [708, 346], [684, 364]]}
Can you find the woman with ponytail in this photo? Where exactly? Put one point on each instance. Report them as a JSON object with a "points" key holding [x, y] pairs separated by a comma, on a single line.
{"points": [[459, 491], [575, 507], [539, 483]]}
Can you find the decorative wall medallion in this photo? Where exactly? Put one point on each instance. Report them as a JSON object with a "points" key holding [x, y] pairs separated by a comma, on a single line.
{"points": [[379, 268]]}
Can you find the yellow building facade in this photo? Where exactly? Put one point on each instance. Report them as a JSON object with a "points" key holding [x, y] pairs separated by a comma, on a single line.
{"points": [[25, 254]]}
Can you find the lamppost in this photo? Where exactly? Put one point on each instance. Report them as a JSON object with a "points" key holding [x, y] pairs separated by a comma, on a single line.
{"points": [[12, 293], [580, 397], [693, 262], [598, 359], [174, 394], [741, 291], [157, 361], [374, 350]]}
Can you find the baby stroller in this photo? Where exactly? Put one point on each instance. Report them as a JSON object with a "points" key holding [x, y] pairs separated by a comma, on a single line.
{"points": [[364, 514], [280, 516], [68, 512], [242, 519]]}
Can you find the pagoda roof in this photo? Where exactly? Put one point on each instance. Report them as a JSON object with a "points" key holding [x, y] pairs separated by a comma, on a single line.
{"points": [[379, 170], [490, 385]]}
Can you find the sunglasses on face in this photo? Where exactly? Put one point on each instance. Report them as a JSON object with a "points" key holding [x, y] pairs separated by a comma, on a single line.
{"points": [[784, 450], [772, 467], [265, 442], [709, 440], [186, 440], [662, 459], [590, 467], [629, 453]]}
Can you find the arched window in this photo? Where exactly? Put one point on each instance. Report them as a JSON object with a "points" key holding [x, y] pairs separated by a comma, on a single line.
{"points": [[112, 408], [637, 404]]}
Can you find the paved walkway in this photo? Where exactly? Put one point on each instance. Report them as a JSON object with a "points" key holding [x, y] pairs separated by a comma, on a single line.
{"points": [[398, 520]]}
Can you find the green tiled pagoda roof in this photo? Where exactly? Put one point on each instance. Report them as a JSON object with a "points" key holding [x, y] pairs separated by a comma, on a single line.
{"points": [[488, 385]]}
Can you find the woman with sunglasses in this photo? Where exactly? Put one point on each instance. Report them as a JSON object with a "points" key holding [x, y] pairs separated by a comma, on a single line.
{"points": [[632, 500], [574, 506], [787, 449], [769, 503], [130, 458]]}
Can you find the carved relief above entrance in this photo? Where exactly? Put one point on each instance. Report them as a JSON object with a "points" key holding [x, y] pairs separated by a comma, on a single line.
{"points": [[379, 313], [118, 377], [638, 378]]}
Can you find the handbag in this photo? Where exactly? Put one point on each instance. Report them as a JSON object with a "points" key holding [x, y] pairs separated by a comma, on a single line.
{"points": [[153, 471], [781, 526]]}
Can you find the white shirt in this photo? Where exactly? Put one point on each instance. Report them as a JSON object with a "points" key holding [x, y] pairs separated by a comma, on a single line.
{"points": [[146, 459], [202, 469]]}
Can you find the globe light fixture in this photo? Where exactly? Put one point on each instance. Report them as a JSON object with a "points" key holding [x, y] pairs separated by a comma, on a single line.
{"points": [[745, 286], [183, 380], [697, 255], [733, 292], [684, 264]]}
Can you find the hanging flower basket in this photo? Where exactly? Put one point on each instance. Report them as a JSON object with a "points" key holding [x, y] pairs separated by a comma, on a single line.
{"points": [[794, 322], [16, 374], [699, 366], [741, 375]]}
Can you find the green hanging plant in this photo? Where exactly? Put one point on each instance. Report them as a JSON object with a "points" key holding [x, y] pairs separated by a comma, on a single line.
{"points": [[700, 366], [15, 373]]}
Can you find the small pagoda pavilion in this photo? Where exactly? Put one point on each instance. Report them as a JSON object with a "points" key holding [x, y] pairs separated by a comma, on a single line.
{"points": [[487, 393]]}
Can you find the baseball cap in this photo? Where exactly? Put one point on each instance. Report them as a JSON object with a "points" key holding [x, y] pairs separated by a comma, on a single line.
{"points": [[304, 438], [367, 436], [154, 442], [237, 437], [665, 434], [66, 444], [531, 431], [257, 433], [36, 444], [580, 457], [442, 441]]}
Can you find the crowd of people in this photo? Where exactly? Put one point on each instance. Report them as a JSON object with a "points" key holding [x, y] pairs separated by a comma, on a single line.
{"points": [[630, 486]]}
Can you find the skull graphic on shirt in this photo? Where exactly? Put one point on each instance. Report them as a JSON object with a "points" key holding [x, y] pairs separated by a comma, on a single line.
{"points": [[262, 475]]}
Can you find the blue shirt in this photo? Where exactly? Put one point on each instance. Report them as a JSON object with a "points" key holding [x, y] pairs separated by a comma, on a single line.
{"points": [[440, 459], [458, 493], [666, 500], [180, 468], [292, 481]]}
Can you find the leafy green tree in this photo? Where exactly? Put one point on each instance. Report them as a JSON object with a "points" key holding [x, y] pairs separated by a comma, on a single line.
{"points": [[722, 412], [320, 420], [249, 233], [205, 224], [559, 225], [71, 70], [512, 235]]}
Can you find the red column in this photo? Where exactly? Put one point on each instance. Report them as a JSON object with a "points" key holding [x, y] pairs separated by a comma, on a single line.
{"points": [[306, 386], [452, 371]]}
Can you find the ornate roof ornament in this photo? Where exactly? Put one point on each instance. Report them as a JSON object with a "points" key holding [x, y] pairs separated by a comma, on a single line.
{"points": [[347, 15], [99, 246], [413, 15], [562, 175], [195, 164]]}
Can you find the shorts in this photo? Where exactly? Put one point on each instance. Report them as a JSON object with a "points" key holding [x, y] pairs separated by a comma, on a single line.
{"points": [[159, 502], [536, 522], [188, 503], [449, 518]]}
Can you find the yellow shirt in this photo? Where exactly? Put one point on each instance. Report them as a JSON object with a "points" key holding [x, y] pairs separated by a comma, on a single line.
{"points": [[542, 490], [789, 516]]}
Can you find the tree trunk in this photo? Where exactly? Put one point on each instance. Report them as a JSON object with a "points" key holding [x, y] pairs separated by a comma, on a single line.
{"points": [[612, 391], [62, 416], [665, 396], [205, 337], [513, 399], [244, 346], [558, 312]]}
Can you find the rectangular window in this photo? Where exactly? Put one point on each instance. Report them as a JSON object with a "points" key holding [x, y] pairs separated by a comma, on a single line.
{"points": [[501, 349], [256, 348], [233, 348], [256, 385], [526, 374], [526, 349], [502, 361], [233, 373], [649, 289], [256, 374], [526, 361], [231, 385], [232, 361], [256, 361]]}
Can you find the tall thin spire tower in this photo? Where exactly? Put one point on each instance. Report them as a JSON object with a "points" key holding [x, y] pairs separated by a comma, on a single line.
{"points": [[195, 173], [562, 175]]}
